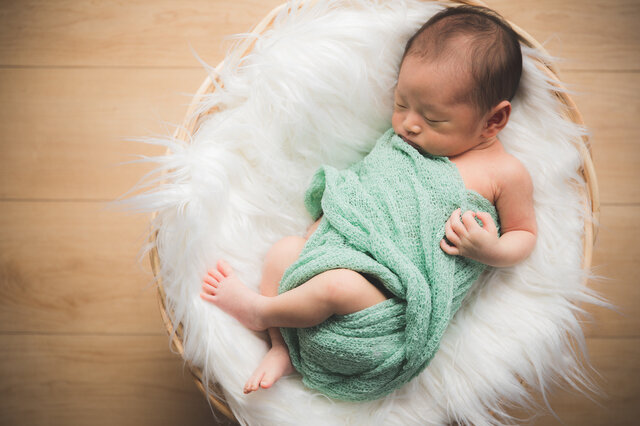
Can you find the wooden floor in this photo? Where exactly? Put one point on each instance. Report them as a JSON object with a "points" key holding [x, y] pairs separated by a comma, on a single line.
{"points": [[82, 342]]}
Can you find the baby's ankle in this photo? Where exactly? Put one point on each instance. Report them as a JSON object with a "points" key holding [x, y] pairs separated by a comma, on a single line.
{"points": [[261, 313]]}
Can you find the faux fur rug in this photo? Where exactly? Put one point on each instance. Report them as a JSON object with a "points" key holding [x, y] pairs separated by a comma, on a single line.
{"points": [[317, 88]]}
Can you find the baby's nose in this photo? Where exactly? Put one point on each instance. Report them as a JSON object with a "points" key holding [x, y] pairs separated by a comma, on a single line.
{"points": [[412, 128]]}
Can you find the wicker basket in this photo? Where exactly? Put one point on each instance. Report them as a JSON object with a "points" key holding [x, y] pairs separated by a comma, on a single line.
{"points": [[192, 122]]}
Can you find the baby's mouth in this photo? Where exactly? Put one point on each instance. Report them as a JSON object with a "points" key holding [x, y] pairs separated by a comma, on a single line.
{"points": [[410, 143]]}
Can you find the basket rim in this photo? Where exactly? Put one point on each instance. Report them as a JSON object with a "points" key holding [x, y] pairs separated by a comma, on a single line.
{"points": [[191, 123]]}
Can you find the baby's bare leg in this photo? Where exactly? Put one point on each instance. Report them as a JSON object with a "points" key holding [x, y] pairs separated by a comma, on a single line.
{"points": [[276, 362], [336, 291]]}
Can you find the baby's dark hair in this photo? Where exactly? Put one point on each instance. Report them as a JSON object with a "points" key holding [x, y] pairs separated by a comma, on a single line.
{"points": [[494, 57]]}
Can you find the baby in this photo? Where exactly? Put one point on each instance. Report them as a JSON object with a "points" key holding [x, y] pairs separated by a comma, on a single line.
{"points": [[456, 79]]}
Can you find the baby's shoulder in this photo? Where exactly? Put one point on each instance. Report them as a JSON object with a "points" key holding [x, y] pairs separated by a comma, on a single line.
{"points": [[512, 176], [510, 169]]}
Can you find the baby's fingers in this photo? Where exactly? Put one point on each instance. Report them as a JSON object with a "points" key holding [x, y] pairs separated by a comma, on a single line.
{"points": [[487, 222], [451, 235], [469, 221], [448, 249], [457, 225]]}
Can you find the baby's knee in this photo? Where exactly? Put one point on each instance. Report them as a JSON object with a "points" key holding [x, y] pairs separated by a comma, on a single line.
{"points": [[284, 252], [343, 287], [288, 245], [349, 291]]}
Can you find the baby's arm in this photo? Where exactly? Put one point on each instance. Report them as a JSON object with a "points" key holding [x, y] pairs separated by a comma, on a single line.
{"points": [[514, 203]]}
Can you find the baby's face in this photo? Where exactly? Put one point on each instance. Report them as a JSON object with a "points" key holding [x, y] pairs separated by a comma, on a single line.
{"points": [[425, 114]]}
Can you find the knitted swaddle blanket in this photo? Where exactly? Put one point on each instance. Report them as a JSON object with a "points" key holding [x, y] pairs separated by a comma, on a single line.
{"points": [[384, 216]]}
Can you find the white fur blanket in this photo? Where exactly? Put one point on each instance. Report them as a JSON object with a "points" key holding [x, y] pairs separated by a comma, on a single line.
{"points": [[317, 88]]}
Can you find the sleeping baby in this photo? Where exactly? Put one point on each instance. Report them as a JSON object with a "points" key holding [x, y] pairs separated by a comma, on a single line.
{"points": [[359, 305]]}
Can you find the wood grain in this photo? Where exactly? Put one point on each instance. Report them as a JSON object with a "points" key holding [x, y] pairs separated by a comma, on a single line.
{"points": [[616, 360], [81, 340], [615, 260], [585, 35], [95, 380], [74, 147], [610, 105], [70, 267], [134, 33], [597, 35]]}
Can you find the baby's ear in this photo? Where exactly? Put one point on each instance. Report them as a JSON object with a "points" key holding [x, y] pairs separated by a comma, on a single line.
{"points": [[498, 118]]}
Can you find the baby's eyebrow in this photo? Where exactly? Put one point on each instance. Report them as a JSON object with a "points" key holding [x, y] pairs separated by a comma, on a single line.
{"points": [[425, 105]]}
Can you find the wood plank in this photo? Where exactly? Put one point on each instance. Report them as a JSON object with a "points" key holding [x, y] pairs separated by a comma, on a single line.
{"points": [[96, 380], [71, 125], [70, 267], [134, 33], [610, 105], [65, 130], [617, 361], [588, 35], [596, 34], [615, 258]]}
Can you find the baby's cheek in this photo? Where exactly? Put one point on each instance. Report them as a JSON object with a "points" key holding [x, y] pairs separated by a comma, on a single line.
{"points": [[395, 122]]}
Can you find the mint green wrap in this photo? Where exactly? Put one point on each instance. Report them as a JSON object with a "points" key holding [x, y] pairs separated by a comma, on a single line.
{"points": [[383, 216]]}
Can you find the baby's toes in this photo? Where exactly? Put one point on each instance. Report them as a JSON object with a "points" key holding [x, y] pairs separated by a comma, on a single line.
{"points": [[267, 381], [216, 275], [247, 386], [208, 290], [253, 382], [211, 281], [225, 268]]}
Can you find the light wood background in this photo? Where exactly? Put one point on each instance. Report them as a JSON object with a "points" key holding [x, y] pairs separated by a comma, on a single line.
{"points": [[81, 340]]}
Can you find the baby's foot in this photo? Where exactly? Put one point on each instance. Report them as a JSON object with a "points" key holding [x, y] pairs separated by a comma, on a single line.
{"points": [[275, 364], [225, 290]]}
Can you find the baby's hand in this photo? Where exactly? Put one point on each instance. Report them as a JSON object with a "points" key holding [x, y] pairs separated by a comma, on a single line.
{"points": [[468, 238]]}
